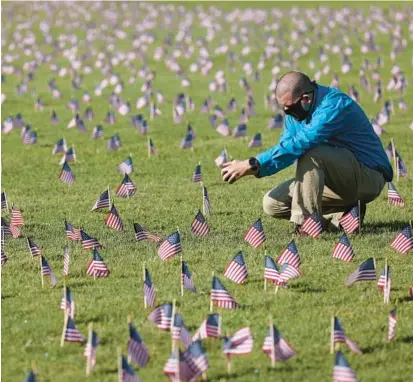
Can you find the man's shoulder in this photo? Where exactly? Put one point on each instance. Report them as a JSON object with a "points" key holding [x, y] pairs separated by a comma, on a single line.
{"points": [[333, 96]]}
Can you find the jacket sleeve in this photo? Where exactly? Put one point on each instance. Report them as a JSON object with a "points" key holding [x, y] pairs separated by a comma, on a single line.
{"points": [[327, 121]]}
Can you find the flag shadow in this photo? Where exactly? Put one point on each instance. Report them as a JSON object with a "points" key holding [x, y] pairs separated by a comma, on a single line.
{"points": [[381, 227], [226, 377]]}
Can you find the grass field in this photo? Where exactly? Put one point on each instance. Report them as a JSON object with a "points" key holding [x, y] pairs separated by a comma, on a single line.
{"points": [[166, 199]]}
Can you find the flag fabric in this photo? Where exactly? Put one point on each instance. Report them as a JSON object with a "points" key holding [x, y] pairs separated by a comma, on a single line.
{"points": [[393, 196], [288, 272], [4, 258], [275, 346], [220, 295], [196, 359], [68, 303], [271, 271], [113, 219], [126, 167], [339, 336], [350, 221], [186, 278], [210, 328], [401, 166], [241, 342], [240, 131], [366, 271], [149, 291], [176, 368], [342, 371], [162, 316], [343, 249], [91, 348], [33, 248], [180, 332], [60, 147], [72, 233], [89, 242], [66, 261], [403, 241], [236, 270], [170, 247], [256, 141], [10, 229], [197, 175], [152, 148], [114, 142], [128, 374], [4, 203], [384, 278], [71, 333], [186, 142], [137, 350], [31, 377], [142, 233], [16, 217], [69, 156], [255, 235], [206, 202], [96, 266], [97, 132], [102, 201], [66, 175], [392, 324], [221, 159], [290, 255], [127, 188], [312, 226], [199, 226]]}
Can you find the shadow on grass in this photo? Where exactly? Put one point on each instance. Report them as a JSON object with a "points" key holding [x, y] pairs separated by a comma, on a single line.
{"points": [[227, 377], [380, 227], [405, 299], [407, 340], [372, 349]]}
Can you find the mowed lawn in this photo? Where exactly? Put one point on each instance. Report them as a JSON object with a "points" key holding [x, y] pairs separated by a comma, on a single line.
{"points": [[165, 200]]}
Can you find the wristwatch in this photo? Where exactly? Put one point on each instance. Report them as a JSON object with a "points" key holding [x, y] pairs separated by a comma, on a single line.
{"points": [[255, 165]]}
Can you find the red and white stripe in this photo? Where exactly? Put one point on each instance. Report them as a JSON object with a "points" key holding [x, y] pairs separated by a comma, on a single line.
{"points": [[236, 272], [223, 299], [343, 252]]}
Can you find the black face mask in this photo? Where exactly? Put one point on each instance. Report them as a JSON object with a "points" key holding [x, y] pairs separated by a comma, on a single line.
{"points": [[297, 111]]}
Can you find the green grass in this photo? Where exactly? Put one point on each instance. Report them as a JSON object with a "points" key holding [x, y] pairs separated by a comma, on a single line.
{"points": [[166, 199]]}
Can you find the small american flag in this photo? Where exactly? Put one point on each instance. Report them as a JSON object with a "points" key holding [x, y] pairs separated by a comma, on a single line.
{"points": [[89, 242], [69, 156], [209, 328], [31, 377], [271, 270], [384, 278], [128, 374], [197, 175], [342, 370], [288, 272], [180, 331], [113, 219], [290, 255], [339, 336], [255, 235], [176, 368], [72, 233], [187, 281], [350, 220], [220, 295], [142, 233], [97, 132], [137, 350], [127, 188], [312, 226], [223, 128], [30, 138], [68, 302], [96, 266], [403, 242], [91, 348], [343, 250], [240, 131], [114, 142], [206, 202], [236, 270], [66, 175], [149, 292], [60, 146], [186, 142], [256, 141], [33, 248], [401, 166], [222, 158], [10, 229], [392, 324], [66, 261], [152, 148], [196, 359], [241, 342], [199, 226], [276, 347], [162, 316], [366, 271], [4, 203], [4, 258], [277, 122], [170, 247], [393, 196], [47, 271], [126, 167], [103, 201], [16, 217], [71, 333]]}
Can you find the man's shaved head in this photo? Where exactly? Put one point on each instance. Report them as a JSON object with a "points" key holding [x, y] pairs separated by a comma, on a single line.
{"points": [[292, 85]]}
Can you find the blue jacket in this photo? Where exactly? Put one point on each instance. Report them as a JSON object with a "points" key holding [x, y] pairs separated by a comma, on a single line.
{"points": [[336, 120]]}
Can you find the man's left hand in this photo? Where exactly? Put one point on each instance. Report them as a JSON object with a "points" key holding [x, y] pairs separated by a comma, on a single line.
{"points": [[232, 171]]}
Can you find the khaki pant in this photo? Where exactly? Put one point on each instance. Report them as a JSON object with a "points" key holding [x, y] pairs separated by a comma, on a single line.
{"points": [[329, 181]]}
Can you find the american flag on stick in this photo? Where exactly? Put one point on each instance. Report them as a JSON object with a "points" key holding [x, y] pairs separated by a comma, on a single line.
{"points": [[271, 271], [162, 316], [33, 248], [211, 327], [366, 271], [127, 373], [403, 241], [222, 158], [66, 261], [197, 175], [103, 201], [149, 292], [137, 350], [290, 255], [91, 349], [60, 146], [350, 221], [127, 188], [126, 167], [199, 226], [241, 342], [276, 347], [392, 324], [342, 370], [236, 269], [4, 204], [72, 233], [96, 266], [393, 196], [338, 336], [66, 175], [68, 303], [70, 331], [205, 200], [288, 272], [312, 226], [255, 235], [170, 247], [4, 258], [113, 219], [142, 233], [89, 242], [16, 217], [343, 249], [220, 295], [196, 359], [180, 332], [186, 278]]}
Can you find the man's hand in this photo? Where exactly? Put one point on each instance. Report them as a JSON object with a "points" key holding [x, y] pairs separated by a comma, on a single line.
{"points": [[232, 171]]}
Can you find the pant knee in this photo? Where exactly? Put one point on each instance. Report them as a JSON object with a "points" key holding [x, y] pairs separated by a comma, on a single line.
{"points": [[275, 208]]}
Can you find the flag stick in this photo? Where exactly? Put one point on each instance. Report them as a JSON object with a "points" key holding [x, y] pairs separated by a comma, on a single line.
{"points": [[120, 379], [129, 320], [41, 270], [272, 344], [211, 306], [182, 279], [228, 357], [332, 336], [144, 296], [89, 356], [393, 147], [149, 147], [108, 192], [359, 207], [397, 171], [265, 280], [385, 283], [173, 323], [203, 201], [219, 324], [62, 339], [74, 153], [276, 289]]}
